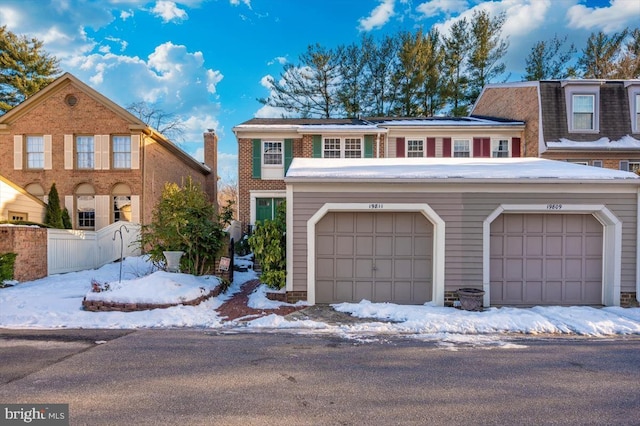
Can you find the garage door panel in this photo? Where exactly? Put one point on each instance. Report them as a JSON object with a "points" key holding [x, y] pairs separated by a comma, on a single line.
{"points": [[381, 256], [561, 262], [514, 245]]}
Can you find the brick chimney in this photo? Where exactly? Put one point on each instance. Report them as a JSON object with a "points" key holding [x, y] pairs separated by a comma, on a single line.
{"points": [[211, 160]]}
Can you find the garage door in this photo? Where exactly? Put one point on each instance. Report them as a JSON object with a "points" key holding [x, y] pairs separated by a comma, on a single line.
{"points": [[546, 259], [381, 257]]}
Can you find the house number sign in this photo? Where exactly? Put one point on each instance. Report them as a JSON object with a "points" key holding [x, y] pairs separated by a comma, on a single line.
{"points": [[554, 206], [376, 206]]}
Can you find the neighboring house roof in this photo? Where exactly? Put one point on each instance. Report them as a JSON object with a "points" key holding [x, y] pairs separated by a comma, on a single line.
{"points": [[21, 190], [134, 122], [373, 124], [450, 170]]}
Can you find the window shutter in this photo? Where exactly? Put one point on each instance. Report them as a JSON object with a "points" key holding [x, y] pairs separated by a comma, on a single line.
{"points": [[103, 210], [106, 147], [515, 147], [135, 152], [446, 147], [477, 147], [368, 146], [624, 165], [68, 204], [317, 146], [400, 147], [288, 154], [68, 153], [257, 159], [97, 153], [48, 162], [486, 147], [431, 147], [598, 163], [135, 208], [17, 152]]}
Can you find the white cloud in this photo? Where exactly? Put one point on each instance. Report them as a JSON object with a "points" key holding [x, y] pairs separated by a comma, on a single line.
{"points": [[616, 17], [126, 14], [379, 16], [169, 11], [237, 2], [436, 7], [278, 60]]}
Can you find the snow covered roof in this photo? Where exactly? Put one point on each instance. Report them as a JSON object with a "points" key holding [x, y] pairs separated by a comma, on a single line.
{"points": [[478, 169], [626, 142]]}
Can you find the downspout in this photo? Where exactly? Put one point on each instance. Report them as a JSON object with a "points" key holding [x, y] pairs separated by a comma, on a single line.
{"points": [[143, 167], [637, 245]]}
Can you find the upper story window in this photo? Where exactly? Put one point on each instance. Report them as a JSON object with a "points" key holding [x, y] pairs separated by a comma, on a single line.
{"points": [[637, 113], [461, 148], [272, 153], [415, 148], [85, 153], [352, 148], [35, 152], [583, 107], [121, 146], [336, 147], [331, 148], [500, 148]]}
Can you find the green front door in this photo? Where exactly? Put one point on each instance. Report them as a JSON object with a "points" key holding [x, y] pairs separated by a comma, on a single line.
{"points": [[266, 208]]}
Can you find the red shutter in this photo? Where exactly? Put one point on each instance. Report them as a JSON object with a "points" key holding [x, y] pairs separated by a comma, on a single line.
{"points": [[431, 147], [477, 147], [446, 147], [515, 147], [486, 147], [399, 147]]}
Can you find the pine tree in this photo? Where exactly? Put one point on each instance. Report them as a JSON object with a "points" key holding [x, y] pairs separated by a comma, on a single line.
{"points": [[629, 65], [353, 81], [24, 68], [599, 58], [53, 214], [380, 65], [410, 74], [456, 82], [66, 219], [547, 60]]}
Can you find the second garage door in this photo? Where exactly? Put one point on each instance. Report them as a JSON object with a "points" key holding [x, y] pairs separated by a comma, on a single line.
{"points": [[546, 259], [381, 257]]}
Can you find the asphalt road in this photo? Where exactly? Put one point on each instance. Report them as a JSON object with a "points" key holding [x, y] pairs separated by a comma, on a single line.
{"points": [[203, 377]]}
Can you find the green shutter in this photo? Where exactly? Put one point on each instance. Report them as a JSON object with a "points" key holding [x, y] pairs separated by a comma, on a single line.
{"points": [[317, 146], [288, 154], [368, 146], [257, 159]]}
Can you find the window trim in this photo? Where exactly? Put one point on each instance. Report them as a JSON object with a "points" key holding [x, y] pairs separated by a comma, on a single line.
{"points": [[91, 154], [583, 89], [27, 152], [114, 152], [469, 150], [263, 152], [495, 148], [24, 215], [342, 145], [422, 150]]}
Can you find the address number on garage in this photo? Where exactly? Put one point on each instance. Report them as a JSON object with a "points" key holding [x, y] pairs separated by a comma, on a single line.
{"points": [[554, 206], [376, 206]]}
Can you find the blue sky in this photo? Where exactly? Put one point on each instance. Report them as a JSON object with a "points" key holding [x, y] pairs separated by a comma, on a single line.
{"points": [[206, 60]]}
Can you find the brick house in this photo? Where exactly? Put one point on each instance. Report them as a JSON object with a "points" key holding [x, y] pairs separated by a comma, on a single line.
{"points": [[592, 122], [266, 147], [106, 163]]}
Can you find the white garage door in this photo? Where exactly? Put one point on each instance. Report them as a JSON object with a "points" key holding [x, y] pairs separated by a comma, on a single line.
{"points": [[546, 259], [381, 257]]}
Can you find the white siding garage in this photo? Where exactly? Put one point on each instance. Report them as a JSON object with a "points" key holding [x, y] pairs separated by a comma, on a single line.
{"points": [[546, 259], [381, 257]]}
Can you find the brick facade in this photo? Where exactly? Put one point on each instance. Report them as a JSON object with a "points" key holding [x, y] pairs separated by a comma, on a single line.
{"points": [[48, 113], [30, 244]]}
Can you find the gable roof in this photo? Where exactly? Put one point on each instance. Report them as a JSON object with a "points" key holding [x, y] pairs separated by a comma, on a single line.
{"points": [[135, 123], [22, 191]]}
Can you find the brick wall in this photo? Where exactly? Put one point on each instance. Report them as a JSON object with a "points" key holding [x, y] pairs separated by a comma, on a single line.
{"points": [[514, 103], [30, 244]]}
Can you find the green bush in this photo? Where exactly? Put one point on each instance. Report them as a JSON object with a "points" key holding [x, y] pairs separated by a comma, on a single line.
{"points": [[268, 243], [185, 220], [53, 214], [7, 262]]}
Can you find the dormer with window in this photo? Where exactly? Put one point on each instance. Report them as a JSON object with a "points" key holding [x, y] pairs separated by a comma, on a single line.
{"points": [[633, 91], [582, 100]]}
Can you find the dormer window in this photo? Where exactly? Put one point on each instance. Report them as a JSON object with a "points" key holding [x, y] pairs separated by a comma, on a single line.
{"points": [[583, 112], [637, 114]]}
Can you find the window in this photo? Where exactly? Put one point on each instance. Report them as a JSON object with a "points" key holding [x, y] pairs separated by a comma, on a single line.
{"points": [[85, 206], [415, 148], [36, 190], [121, 152], [18, 216], [352, 148], [331, 148], [634, 166], [638, 113], [461, 148], [583, 112], [35, 152], [84, 152], [272, 153], [121, 198], [581, 162], [501, 149]]}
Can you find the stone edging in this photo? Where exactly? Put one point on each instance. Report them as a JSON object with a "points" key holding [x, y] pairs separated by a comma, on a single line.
{"points": [[104, 306]]}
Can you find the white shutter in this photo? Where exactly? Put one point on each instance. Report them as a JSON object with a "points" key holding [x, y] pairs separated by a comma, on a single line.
{"points": [[97, 153], [68, 203], [68, 153], [135, 152], [48, 161], [106, 149], [17, 152], [135, 208], [102, 211]]}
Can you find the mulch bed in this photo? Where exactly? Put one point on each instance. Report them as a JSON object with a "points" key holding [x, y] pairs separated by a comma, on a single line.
{"points": [[236, 307]]}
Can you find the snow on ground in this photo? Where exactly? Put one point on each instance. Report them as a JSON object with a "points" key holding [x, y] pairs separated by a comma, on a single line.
{"points": [[56, 302]]}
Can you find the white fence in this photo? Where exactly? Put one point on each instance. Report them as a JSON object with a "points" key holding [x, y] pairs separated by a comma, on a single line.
{"points": [[69, 251]]}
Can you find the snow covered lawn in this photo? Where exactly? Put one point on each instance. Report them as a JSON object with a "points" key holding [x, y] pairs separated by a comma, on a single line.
{"points": [[56, 302]]}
